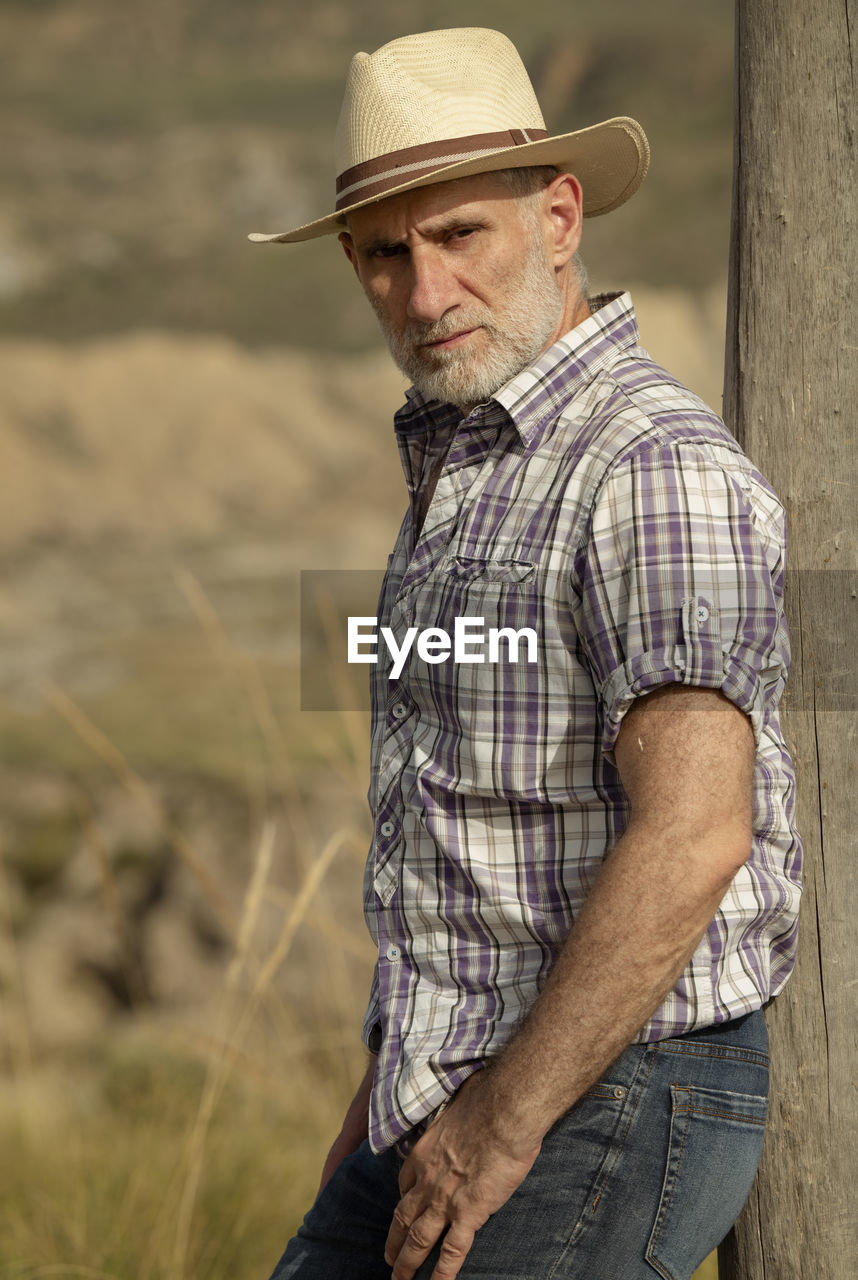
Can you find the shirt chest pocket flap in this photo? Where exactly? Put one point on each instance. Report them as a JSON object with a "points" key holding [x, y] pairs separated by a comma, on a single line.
{"points": [[483, 571], [500, 591]]}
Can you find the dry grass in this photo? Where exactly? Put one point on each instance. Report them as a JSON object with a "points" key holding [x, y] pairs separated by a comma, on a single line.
{"points": [[98, 1165], [163, 1150], [165, 1155]]}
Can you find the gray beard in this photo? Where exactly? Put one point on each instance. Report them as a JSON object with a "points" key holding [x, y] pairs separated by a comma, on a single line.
{"points": [[517, 331]]}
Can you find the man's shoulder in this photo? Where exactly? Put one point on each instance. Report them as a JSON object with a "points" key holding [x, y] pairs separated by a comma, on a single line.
{"points": [[636, 413], [604, 391], [635, 403]]}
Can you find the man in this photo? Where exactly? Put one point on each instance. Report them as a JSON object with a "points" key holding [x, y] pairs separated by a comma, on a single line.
{"points": [[584, 876]]}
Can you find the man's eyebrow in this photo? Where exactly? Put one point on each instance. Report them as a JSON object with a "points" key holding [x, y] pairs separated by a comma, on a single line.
{"points": [[373, 246], [445, 223], [455, 220]]}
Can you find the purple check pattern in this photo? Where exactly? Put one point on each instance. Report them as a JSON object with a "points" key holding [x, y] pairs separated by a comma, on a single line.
{"points": [[598, 502]]}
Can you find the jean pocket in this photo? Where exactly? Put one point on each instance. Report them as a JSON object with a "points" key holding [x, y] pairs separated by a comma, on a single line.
{"points": [[715, 1140]]}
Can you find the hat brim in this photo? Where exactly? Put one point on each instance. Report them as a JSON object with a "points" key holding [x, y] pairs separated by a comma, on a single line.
{"points": [[609, 159]]}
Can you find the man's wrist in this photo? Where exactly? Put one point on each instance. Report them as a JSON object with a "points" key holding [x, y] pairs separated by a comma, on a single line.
{"points": [[513, 1116]]}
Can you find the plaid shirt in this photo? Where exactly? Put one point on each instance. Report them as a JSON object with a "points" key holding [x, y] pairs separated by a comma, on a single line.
{"points": [[599, 503]]}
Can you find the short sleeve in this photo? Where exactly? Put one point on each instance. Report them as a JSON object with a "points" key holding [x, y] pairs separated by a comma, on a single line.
{"points": [[681, 581]]}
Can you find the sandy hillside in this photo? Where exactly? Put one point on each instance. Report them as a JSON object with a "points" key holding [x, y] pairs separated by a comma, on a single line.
{"points": [[162, 439]]}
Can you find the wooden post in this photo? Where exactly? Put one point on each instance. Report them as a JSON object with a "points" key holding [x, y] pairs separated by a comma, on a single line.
{"points": [[791, 397]]}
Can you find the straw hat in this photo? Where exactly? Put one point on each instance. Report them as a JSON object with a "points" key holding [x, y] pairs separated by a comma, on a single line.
{"points": [[449, 104]]}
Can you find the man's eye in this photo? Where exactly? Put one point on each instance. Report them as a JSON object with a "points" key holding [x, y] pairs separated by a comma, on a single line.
{"points": [[388, 250], [462, 233]]}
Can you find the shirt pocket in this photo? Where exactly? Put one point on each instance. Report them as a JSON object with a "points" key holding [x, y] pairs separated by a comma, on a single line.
{"points": [[476, 570], [502, 592], [503, 595]]}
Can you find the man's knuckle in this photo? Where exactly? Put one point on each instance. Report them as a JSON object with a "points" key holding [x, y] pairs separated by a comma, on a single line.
{"points": [[452, 1252], [420, 1236], [401, 1218]]}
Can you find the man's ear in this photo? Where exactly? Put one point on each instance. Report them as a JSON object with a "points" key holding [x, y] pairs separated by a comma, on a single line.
{"points": [[349, 250], [563, 207]]}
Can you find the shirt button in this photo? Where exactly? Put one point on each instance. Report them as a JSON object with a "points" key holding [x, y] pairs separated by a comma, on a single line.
{"points": [[400, 710], [387, 828], [702, 614], [393, 952]]}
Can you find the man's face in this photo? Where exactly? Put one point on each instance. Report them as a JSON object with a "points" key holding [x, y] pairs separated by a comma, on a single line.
{"points": [[461, 278]]}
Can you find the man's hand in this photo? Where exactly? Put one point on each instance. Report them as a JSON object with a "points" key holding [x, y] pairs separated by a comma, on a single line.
{"points": [[354, 1128], [466, 1165]]}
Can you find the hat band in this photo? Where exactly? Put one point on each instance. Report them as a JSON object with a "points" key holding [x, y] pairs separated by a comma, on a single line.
{"points": [[374, 177]]}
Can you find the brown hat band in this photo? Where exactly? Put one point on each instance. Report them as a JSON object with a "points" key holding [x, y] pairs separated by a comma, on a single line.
{"points": [[374, 177]]}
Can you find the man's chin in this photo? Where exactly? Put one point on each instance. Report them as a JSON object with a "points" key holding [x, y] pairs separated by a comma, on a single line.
{"points": [[463, 396], [453, 376], [464, 375]]}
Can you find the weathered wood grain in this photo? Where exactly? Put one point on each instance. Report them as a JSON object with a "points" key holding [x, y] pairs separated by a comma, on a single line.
{"points": [[791, 397]]}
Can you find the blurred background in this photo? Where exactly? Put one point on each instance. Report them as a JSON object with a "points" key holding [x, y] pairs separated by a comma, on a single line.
{"points": [[187, 421]]}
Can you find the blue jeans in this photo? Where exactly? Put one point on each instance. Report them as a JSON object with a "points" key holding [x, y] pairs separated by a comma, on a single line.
{"points": [[644, 1176]]}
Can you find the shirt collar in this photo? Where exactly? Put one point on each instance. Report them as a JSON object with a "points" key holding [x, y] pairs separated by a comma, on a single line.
{"points": [[534, 396]]}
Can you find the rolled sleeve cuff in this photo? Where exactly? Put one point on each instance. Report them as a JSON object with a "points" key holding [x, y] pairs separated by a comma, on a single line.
{"points": [[705, 666]]}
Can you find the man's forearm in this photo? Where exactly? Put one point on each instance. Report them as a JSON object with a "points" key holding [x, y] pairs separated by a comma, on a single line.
{"points": [[634, 936]]}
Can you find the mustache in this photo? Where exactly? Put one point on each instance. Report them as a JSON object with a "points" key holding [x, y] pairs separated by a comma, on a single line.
{"points": [[439, 330]]}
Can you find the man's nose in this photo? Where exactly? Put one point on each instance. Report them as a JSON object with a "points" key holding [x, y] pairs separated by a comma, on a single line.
{"points": [[434, 288]]}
